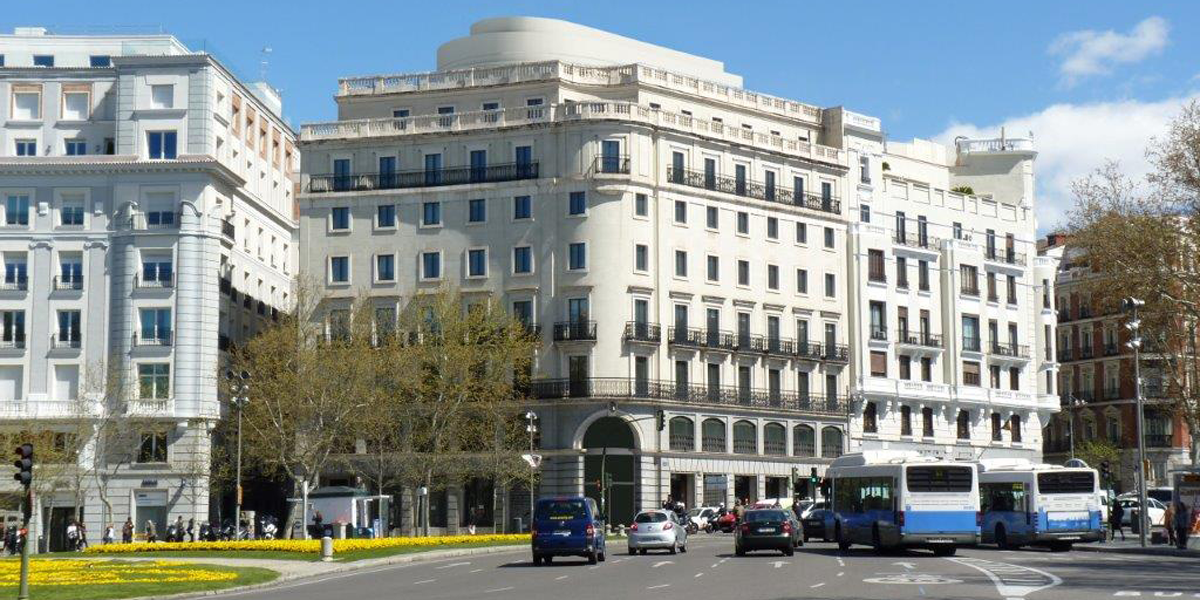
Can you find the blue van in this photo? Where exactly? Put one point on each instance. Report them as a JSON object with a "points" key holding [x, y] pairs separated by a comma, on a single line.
{"points": [[567, 526]]}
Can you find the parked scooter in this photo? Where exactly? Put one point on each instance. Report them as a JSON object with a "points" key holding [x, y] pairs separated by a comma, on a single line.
{"points": [[267, 528]]}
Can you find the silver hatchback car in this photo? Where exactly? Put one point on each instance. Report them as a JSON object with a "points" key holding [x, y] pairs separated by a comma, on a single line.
{"points": [[657, 530]]}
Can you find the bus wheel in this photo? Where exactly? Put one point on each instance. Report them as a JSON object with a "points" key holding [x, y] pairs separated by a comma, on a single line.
{"points": [[945, 550], [1002, 538], [843, 543]]}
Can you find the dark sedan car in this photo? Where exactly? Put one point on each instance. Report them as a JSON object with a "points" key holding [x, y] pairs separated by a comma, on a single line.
{"points": [[814, 525], [767, 529]]}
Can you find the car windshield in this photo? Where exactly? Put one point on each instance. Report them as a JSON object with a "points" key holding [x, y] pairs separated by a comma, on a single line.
{"points": [[654, 517], [765, 516], [562, 510], [695, 512]]}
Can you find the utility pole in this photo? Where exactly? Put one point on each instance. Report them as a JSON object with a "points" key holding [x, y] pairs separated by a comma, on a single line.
{"points": [[239, 387], [1135, 342], [534, 461]]}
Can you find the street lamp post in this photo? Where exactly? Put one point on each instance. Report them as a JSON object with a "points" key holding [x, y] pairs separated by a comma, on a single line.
{"points": [[1072, 402], [531, 418], [1135, 343], [239, 388]]}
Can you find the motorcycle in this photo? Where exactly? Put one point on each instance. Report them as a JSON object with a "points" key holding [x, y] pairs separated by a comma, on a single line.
{"points": [[723, 522], [268, 528], [173, 533]]}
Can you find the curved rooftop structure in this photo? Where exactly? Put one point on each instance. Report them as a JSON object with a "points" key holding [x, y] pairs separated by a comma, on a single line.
{"points": [[512, 40]]}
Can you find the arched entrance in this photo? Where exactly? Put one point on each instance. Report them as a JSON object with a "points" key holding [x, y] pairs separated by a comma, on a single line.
{"points": [[610, 468]]}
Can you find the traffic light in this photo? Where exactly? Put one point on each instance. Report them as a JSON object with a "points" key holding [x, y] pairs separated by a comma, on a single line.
{"points": [[660, 419], [1105, 472], [813, 477], [24, 464]]}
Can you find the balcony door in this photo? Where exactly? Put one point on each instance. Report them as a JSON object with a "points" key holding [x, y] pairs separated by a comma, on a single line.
{"points": [[577, 373], [610, 152], [641, 376], [577, 310], [713, 324]]}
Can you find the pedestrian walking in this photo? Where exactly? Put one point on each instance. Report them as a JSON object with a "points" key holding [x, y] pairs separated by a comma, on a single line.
{"points": [[1114, 520], [191, 530], [110, 534], [83, 542], [317, 521], [738, 509], [1181, 523], [471, 521], [669, 503], [151, 534], [127, 531], [1169, 523], [72, 536]]}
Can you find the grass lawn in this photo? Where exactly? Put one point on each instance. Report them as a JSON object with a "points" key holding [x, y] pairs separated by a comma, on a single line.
{"points": [[306, 556], [120, 585]]}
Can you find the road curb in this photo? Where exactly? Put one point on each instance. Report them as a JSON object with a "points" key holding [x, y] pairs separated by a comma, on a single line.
{"points": [[344, 568], [1149, 551]]}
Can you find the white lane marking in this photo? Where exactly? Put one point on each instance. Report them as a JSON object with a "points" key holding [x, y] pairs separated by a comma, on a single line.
{"points": [[697, 575], [424, 581], [503, 589], [714, 565], [780, 563], [840, 573], [817, 586], [906, 565], [1012, 581], [661, 563], [655, 587], [476, 570], [560, 578], [722, 560], [452, 565]]}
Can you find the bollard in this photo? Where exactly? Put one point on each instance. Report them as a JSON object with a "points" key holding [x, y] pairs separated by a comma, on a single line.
{"points": [[326, 549]]}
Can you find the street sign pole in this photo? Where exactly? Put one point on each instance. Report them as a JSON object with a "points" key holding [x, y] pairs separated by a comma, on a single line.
{"points": [[23, 590]]}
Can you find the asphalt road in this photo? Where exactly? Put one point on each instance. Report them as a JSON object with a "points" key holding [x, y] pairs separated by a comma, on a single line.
{"points": [[709, 570]]}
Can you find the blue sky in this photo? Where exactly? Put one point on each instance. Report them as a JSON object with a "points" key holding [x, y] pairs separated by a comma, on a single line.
{"points": [[1093, 80]]}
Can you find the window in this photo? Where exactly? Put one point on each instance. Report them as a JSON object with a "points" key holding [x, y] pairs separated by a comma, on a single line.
{"points": [[522, 260], [161, 144], [970, 280], [712, 217], [743, 272], [76, 106], [153, 447], [14, 328], [829, 237], [864, 213], [680, 212], [878, 364], [923, 275], [743, 222], [926, 368], [155, 325], [522, 208], [477, 210], [1012, 289], [431, 214], [992, 294], [801, 281], [16, 210], [75, 147], [577, 204], [157, 269], [680, 263], [162, 96], [997, 431], [385, 216], [901, 272], [870, 419], [713, 272], [43, 60], [927, 422], [339, 218], [577, 256], [958, 231], [864, 169], [1014, 379], [339, 269], [830, 285], [875, 266], [905, 367], [27, 105], [641, 206], [970, 329], [906, 420], [964, 425], [70, 268], [772, 228], [1014, 424], [99, 61], [773, 277], [832, 442], [477, 263], [433, 169], [641, 258], [801, 233], [431, 265], [971, 373], [385, 267]]}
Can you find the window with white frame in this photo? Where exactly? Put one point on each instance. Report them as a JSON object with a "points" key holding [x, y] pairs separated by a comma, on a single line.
{"points": [[25, 147], [385, 267], [75, 147], [577, 256], [161, 145], [339, 269], [155, 326], [26, 104], [431, 265], [477, 266], [522, 260], [162, 96], [76, 105]]}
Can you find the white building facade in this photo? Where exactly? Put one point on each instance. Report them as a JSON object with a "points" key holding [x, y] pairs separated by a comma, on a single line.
{"points": [[951, 307], [679, 242], [147, 199]]}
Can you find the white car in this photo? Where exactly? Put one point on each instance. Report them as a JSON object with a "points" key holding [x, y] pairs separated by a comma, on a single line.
{"points": [[700, 516], [1157, 510], [807, 506], [657, 529]]}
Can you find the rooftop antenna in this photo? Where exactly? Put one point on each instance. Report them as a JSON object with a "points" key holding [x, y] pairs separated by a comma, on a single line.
{"points": [[263, 63]]}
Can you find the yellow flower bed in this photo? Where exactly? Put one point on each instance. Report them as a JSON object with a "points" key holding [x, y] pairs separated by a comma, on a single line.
{"points": [[98, 572], [309, 546]]}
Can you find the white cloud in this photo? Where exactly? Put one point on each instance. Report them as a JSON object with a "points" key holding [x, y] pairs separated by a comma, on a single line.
{"points": [[1090, 52], [1074, 139]]}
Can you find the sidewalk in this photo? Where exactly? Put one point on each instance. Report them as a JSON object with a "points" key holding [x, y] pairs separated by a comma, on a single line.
{"points": [[1131, 546]]}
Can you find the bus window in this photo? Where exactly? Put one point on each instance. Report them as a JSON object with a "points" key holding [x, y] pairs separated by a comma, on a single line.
{"points": [[1070, 482], [939, 479], [1002, 497]]}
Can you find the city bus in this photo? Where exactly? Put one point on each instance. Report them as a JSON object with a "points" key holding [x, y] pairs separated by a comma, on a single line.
{"points": [[1029, 504], [900, 499]]}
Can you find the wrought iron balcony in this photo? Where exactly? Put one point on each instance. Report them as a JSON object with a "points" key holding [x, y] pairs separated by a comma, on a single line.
{"points": [[686, 336], [1066, 355], [158, 339], [970, 288], [753, 189], [879, 334], [916, 240], [13, 341], [1087, 351], [71, 283], [918, 338], [641, 331], [154, 283], [610, 165], [72, 340], [571, 331], [14, 284], [603, 388], [970, 344], [1006, 255], [319, 184], [1010, 349]]}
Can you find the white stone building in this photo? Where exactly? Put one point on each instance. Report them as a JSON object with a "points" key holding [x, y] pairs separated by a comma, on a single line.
{"points": [[146, 221], [951, 306], [679, 241]]}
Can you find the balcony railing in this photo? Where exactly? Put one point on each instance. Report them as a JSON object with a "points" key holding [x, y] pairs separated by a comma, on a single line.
{"points": [[970, 288], [155, 220], [753, 189], [319, 184], [571, 331], [14, 284], [654, 390], [918, 338], [1006, 255], [1066, 354], [915, 240], [1158, 440], [160, 339], [13, 342], [610, 165], [686, 336], [712, 444], [1086, 351], [228, 229], [69, 341], [879, 334], [72, 283], [1112, 349], [970, 344], [1010, 349], [682, 443], [640, 331], [155, 283]]}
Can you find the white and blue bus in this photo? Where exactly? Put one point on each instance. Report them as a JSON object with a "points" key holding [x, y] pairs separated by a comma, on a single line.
{"points": [[889, 499], [1028, 504]]}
